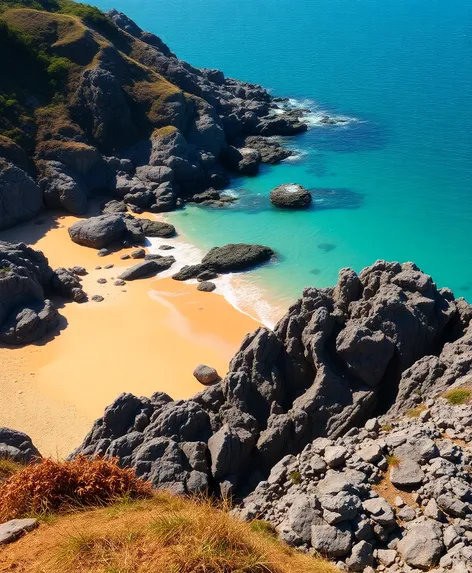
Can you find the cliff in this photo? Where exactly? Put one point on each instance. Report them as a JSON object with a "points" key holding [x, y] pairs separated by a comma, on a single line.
{"points": [[91, 104]]}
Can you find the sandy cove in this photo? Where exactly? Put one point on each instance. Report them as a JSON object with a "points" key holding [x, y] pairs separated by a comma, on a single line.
{"points": [[144, 337]]}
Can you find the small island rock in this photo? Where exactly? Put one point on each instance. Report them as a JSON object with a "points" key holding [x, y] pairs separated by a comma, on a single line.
{"points": [[290, 196]]}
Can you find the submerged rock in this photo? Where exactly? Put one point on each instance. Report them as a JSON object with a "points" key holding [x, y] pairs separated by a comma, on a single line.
{"points": [[290, 196]]}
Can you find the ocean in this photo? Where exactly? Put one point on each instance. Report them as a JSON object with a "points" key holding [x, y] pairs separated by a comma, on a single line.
{"points": [[394, 182]]}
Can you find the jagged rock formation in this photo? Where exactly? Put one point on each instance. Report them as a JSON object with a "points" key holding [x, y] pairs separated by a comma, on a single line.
{"points": [[122, 116], [337, 497], [26, 281], [339, 357]]}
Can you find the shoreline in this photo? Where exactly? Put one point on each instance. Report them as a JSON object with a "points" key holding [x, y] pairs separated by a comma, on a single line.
{"points": [[143, 338]]}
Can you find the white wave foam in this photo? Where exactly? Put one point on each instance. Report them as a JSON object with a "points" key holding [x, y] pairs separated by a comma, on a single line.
{"points": [[236, 288], [314, 115], [230, 193]]}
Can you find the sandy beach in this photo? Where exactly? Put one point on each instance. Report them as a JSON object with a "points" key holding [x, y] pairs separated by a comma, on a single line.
{"points": [[144, 337]]}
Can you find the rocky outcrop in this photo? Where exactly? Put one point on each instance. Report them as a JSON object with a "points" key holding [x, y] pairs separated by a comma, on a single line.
{"points": [[289, 386], [20, 196], [63, 188], [17, 446], [26, 282], [290, 196], [114, 228], [236, 257], [337, 496]]}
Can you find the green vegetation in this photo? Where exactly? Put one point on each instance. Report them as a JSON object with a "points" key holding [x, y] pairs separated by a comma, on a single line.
{"points": [[7, 466], [392, 460], [264, 527], [295, 476], [386, 428], [458, 396]]}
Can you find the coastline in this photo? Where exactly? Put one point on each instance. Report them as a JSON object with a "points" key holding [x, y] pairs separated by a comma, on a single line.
{"points": [[58, 388]]}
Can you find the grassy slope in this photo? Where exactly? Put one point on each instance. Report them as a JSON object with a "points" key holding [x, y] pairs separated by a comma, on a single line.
{"points": [[165, 534], [47, 51]]}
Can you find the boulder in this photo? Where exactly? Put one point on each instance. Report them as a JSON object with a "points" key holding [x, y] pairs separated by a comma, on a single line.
{"points": [[206, 375], [157, 228], [206, 286], [407, 473], [17, 446], [331, 541], [68, 285], [244, 160], [98, 232], [236, 257], [30, 323], [12, 530], [144, 269], [421, 547], [290, 196]]}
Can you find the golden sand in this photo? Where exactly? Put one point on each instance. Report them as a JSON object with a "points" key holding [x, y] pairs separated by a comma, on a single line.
{"points": [[144, 337]]}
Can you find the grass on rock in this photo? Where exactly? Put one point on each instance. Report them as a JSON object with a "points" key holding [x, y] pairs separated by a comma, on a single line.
{"points": [[458, 396], [415, 412]]}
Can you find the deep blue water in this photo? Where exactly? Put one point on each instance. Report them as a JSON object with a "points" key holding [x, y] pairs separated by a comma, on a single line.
{"points": [[397, 182]]}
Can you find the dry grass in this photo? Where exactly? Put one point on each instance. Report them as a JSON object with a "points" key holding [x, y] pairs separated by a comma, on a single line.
{"points": [[458, 396], [392, 460], [50, 485], [166, 534], [8, 467], [415, 412]]}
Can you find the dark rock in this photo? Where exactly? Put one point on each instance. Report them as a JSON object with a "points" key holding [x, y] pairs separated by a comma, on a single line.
{"points": [[114, 207], [80, 271], [104, 252], [188, 272], [67, 285], [33, 322], [157, 228], [271, 151], [207, 275], [97, 298], [206, 375], [245, 160], [144, 269], [290, 196], [20, 196], [98, 232], [166, 247], [236, 257], [206, 286], [17, 446], [63, 188], [138, 254]]}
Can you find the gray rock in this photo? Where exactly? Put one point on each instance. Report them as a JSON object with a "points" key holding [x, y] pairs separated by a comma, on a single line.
{"points": [[98, 232], [290, 196], [371, 452], [229, 450], [361, 556], [331, 541], [138, 254], [386, 556], [380, 511], [451, 506], [236, 257], [20, 196], [335, 456], [17, 446], [422, 545], [206, 286], [12, 530], [407, 473], [340, 507], [144, 269]]}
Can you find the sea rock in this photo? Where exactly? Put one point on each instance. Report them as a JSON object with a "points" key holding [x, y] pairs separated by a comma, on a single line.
{"points": [[290, 196], [244, 160], [236, 257], [271, 151], [206, 286], [157, 228]]}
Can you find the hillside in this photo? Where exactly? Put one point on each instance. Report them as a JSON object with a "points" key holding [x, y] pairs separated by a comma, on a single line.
{"points": [[86, 98]]}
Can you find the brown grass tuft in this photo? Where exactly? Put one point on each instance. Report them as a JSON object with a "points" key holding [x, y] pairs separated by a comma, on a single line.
{"points": [[52, 485], [7, 466]]}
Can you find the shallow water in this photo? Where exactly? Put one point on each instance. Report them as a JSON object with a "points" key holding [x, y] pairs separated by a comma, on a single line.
{"points": [[395, 182]]}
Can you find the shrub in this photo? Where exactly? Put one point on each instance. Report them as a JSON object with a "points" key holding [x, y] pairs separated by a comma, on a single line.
{"points": [[295, 476], [392, 460], [458, 396], [7, 466], [53, 485]]}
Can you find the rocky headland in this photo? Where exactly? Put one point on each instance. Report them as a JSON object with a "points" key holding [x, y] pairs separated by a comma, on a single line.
{"points": [[333, 426]]}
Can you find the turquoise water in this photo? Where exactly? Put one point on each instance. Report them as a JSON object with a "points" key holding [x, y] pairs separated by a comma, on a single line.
{"points": [[399, 177]]}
